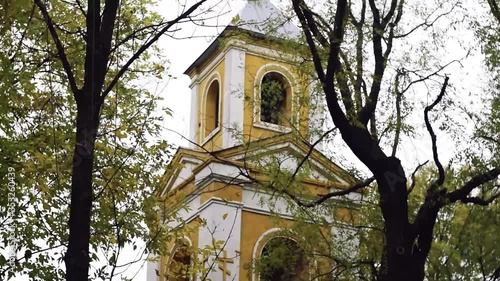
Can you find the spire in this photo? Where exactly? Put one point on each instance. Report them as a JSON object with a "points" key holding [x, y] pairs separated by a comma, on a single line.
{"points": [[263, 17]]}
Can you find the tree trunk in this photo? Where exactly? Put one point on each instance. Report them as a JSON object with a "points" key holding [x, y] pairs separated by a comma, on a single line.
{"points": [[407, 245], [402, 259], [398, 233], [77, 256]]}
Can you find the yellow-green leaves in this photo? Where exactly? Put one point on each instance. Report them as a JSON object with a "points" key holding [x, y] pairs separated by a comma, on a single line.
{"points": [[37, 135]]}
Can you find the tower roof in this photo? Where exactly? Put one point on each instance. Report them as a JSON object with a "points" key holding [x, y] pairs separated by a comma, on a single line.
{"points": [[259, 17], [263, 17]]}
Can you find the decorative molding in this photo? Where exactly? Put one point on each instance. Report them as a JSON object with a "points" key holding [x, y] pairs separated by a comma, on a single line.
{"points": [[175, 174], [261, 243], [270, 126], [220, 178], [246, 47], [231, 44]]}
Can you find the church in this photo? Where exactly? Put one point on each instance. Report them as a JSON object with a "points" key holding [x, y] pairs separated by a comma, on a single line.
{"points": [[251, 108]]}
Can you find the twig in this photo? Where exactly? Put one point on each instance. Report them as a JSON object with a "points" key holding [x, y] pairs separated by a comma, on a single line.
{"points": [[144, 47], [325, 197], [428, 125], [413, 176]]}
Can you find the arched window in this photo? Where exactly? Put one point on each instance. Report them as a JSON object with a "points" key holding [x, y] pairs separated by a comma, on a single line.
{"points": [[274, 99], [282, 259], [212, 108], [180, 264]]}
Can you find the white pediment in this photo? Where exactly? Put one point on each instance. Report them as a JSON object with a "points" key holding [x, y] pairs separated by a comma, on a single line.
{"points": [[289, 157], [182, 172]]}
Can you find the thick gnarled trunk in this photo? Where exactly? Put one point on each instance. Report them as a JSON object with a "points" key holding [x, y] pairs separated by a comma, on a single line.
{"points": [[407, 244]]}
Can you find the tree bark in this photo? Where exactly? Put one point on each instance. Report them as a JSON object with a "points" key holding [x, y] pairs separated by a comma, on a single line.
{"points": [[406, 245], [77, 257]]}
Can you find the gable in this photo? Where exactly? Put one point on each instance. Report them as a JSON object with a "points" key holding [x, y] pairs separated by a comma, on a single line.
{"points": [[181, 168], [290, 154], [285, 152]]}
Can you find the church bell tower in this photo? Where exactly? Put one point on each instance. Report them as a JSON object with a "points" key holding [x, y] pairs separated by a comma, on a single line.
{"points": [[248, 100], [232, 80]]}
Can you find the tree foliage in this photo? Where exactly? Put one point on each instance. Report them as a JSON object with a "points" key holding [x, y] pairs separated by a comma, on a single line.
{"points": [[79, 125], [384, 70]]}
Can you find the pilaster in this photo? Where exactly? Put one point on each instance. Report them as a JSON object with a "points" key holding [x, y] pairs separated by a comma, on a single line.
{"points": [[193, 122], [223, 223], [233, 106]]}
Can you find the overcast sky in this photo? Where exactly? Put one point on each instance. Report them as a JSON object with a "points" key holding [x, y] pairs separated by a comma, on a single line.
{"points": [[183, 52]]}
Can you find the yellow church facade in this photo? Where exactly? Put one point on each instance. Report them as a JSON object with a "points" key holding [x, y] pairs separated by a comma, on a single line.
{"points": [[247, 107]]}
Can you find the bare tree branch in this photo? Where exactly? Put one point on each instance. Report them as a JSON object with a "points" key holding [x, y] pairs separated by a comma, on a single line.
{"points": [[327, 196], [107, 25], [378, 72], [333, 67], [463, 192], [16, 50], [135, 33], [480, 201], [426, 23], [488, 138], [391, 12], [310, 17], [399, 96], [428, 125], [380, 56], [359, 58], [298, 7], [144, 47], [424, 78], [77, 5], [343, 86], [413, 182], [494, 9], [311, 149]]}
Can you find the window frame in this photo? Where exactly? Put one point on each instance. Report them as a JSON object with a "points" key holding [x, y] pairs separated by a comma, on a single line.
{"points": [[283, 238], [274, 77], [289, 80], [261, 243]]}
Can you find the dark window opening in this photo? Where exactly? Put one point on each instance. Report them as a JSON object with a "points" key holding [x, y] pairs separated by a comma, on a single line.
{"points": [[273, 98], [180, 265], [282, 260], [212, 108]]}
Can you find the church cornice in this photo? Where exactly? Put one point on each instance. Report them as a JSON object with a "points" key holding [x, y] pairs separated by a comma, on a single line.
{"points": [[235, 37], [236, 157]]}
